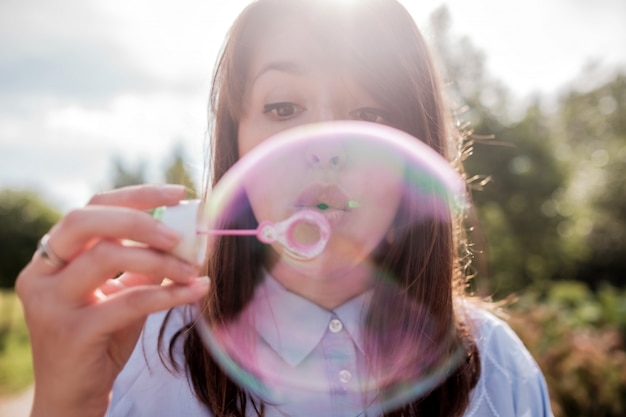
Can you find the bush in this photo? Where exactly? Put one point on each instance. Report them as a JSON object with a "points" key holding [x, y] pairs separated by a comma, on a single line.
{"points": [[24, 218], [577, 338], [16, 371]]}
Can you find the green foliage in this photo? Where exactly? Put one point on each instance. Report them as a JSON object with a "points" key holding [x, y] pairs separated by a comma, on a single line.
{"points": [[177, 173], [577, 337], [511, 207], [551, 221], [124, 175], [555, 205], [16, 371], [24, 218], [591, 139]]}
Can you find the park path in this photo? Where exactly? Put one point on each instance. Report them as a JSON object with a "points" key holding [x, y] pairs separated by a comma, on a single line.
{"points": [[18, 405]]}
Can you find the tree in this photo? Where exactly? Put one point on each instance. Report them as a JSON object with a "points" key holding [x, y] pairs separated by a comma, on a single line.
{"points": [[124, 175], [592, 132], [177, 173], [24, 218], [521, 243], [524, 246]]}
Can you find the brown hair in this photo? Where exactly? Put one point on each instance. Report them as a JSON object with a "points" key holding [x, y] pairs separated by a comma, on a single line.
{"points": [[378, 41]]}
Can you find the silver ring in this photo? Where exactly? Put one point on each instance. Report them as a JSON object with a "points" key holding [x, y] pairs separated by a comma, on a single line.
{"points": [[47, 254]]}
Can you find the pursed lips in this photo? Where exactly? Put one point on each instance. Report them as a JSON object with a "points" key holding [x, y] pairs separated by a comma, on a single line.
{"points": [[324, 197]]}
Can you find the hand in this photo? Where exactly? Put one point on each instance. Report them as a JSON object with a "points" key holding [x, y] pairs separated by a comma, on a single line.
{"points": [[83, 323]]}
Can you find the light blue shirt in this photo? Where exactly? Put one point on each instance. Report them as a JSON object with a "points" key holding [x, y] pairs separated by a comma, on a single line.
{"points": [[302, 343]]}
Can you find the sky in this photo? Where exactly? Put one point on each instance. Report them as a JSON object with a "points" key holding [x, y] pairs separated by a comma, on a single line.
{"points": [[84, 81]]}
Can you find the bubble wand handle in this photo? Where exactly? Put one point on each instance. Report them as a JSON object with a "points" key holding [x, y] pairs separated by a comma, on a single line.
{"points": [[228, 232], [283, 233]]}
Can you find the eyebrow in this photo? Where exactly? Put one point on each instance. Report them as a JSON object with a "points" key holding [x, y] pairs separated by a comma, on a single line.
{"points": [[290, 67]]}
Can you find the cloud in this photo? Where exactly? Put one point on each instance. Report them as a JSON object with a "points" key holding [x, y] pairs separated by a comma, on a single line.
{"points": [[84, 80], [61, 49], [69, 70]]}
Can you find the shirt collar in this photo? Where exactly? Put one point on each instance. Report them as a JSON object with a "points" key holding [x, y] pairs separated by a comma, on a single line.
{"points": [[293, 326]]}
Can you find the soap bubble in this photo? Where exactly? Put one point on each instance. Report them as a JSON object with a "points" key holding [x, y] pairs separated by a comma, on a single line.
{"points": [[334, 250]]}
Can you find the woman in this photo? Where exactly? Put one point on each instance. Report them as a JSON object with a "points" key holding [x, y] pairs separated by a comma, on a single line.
{"points": [[285, 63]]}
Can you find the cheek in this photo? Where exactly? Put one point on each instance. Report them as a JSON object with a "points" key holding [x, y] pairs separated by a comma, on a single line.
{"points": [[268, 202], [380, 183], [248, 137], [379, 199], [383, 198], [272, 185], [255, 129]]}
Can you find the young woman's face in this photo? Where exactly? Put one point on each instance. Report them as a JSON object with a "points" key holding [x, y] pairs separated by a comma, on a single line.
{"points": [[293, 82]]}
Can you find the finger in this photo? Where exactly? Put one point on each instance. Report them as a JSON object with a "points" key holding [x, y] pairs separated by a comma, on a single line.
{"points": [[127, 280], [130, 279], [37, 267], [132, 228], [93, 267], [81, 227], [44, 254], [126, 307], [141, 197]]}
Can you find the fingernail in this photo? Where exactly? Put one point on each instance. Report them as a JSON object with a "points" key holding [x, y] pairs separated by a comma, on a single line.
{"points": [[173, 189], [201, 283]]}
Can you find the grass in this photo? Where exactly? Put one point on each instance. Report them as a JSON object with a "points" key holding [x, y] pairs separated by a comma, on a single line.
{"points": [[16, 369]]}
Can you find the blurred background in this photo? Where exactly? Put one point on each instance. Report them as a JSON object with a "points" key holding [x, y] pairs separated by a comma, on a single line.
{"points": [[98, 94]]}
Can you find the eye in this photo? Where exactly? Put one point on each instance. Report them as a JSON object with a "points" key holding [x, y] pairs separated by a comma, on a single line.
{"points": [[370, 114], [282, 110]]}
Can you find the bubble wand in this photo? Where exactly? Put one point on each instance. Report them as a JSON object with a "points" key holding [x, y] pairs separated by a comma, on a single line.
{"points": [[284, 233], [183, 218]]}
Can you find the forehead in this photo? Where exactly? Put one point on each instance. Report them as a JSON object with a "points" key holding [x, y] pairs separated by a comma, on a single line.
{"points": [[295, 45]]}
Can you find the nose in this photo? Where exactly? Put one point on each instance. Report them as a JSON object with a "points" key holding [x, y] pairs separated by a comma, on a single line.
{"points": [[326, 156]]}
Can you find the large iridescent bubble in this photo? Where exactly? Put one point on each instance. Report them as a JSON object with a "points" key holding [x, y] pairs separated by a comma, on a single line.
{"points": [[332, 249]]}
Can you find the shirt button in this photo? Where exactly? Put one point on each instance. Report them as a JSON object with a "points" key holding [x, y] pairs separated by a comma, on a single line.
{"points": [[345, 376], [335, 325]]}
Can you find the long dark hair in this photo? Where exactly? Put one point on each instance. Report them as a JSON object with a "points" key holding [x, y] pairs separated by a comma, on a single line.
{"points": [[376, 40]]}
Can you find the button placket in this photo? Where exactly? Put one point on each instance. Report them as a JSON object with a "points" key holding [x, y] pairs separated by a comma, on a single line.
{"points": [[341, 356]]}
